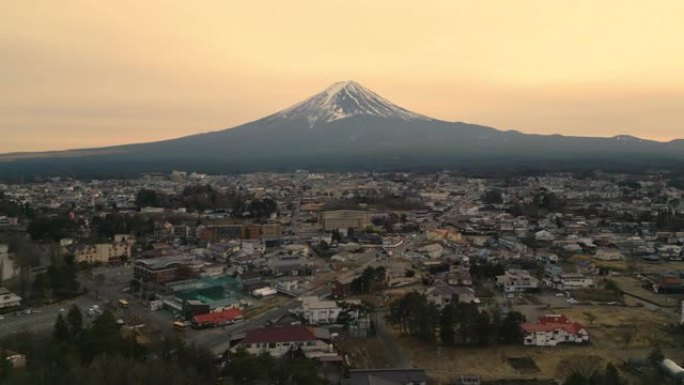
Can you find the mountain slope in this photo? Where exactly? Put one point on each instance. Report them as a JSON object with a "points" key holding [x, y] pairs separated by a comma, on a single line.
{"points": [[347, 126]]}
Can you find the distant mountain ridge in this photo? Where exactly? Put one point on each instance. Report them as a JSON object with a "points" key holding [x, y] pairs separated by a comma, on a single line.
{"points": [[347, 126]]}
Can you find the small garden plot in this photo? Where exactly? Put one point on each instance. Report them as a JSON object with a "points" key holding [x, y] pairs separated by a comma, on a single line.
{"points": [[524, 365]]}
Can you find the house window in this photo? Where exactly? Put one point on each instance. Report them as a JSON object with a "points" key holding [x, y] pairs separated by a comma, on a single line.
{"points": [[271, 345]]}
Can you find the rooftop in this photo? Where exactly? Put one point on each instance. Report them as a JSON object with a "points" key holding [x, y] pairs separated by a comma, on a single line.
{"points": [[281, 334]]}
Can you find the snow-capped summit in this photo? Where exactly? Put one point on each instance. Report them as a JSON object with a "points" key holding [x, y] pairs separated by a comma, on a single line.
{"points": [[342, 100]]}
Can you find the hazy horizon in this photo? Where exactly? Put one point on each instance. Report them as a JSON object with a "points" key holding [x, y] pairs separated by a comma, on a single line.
{"points": [[88, 74]]}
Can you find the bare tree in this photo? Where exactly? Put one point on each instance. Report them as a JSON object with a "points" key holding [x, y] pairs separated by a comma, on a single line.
{"points": [[583, 365]]}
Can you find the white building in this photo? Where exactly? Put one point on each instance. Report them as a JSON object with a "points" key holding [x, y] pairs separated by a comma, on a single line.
{"points": [[316, 311], [514, 281], [253, 247], [7, 268], [8, 299], [573, 281], [608, 254], [277, 341], [553, 329], [116, 251], [544, 236]]}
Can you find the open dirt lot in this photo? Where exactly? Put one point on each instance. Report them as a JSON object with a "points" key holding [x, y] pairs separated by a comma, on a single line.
{"points": [[264, 304], [368, 353]]}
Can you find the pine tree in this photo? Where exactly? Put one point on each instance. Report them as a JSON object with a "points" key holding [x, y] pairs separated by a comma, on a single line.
{"points": [[447, 323], [60, 331], [510, 331], [75, 319], [483, 328], [611, 376], [576, 379]]}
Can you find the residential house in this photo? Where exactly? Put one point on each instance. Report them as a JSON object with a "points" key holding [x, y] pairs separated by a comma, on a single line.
{"points": [[316, 311], [544, 236], [572, 281], [553, 329], [432, 251], [8, 299], [442, 294], [16, 360], [514, 281], [341, 287], [277, 341]]}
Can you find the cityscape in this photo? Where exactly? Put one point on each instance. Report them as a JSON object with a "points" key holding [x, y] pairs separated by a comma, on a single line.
{"points": [[308, 192], [438, 276]]}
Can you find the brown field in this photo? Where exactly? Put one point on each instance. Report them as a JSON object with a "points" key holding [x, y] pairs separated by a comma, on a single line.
{"points": [[368, 353], [264, 304], [634, 286], [649, 268], [621, 266], [617, 327], [618, 333]]}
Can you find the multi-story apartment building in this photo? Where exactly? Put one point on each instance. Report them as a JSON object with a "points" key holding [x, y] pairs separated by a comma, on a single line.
{"points": [[344, 219], [117, 251]]}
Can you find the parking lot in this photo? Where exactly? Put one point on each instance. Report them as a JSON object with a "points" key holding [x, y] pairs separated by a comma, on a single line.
{"points": [[41, 320]]}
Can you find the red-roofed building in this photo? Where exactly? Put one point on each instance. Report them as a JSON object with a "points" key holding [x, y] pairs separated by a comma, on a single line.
{"points": [[554, 329], [225, 317], [314, 342]]}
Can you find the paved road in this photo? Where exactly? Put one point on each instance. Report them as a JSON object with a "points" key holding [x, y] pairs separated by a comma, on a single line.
{"points": [[218, 339], [395, 355], [42, 319]]}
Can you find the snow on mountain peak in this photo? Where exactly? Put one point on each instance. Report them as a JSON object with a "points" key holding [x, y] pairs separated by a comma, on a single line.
{"points": [[345, 99]]}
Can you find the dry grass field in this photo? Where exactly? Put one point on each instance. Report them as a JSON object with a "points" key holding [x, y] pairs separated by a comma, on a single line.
{"points": [[366, 353], [264, 304], [618, 333], [634, 286]]}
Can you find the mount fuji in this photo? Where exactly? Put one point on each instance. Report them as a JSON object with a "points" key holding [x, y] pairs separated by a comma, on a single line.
{"points": [[344, 127], [344, 100]]}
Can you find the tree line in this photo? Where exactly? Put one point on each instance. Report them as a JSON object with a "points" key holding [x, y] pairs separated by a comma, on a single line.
{"points": [[76, 354], [205, 197], [460, 324], [58, 282]]}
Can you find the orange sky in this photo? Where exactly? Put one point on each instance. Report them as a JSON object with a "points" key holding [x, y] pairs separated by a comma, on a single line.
{"points": [[76, 73]]}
